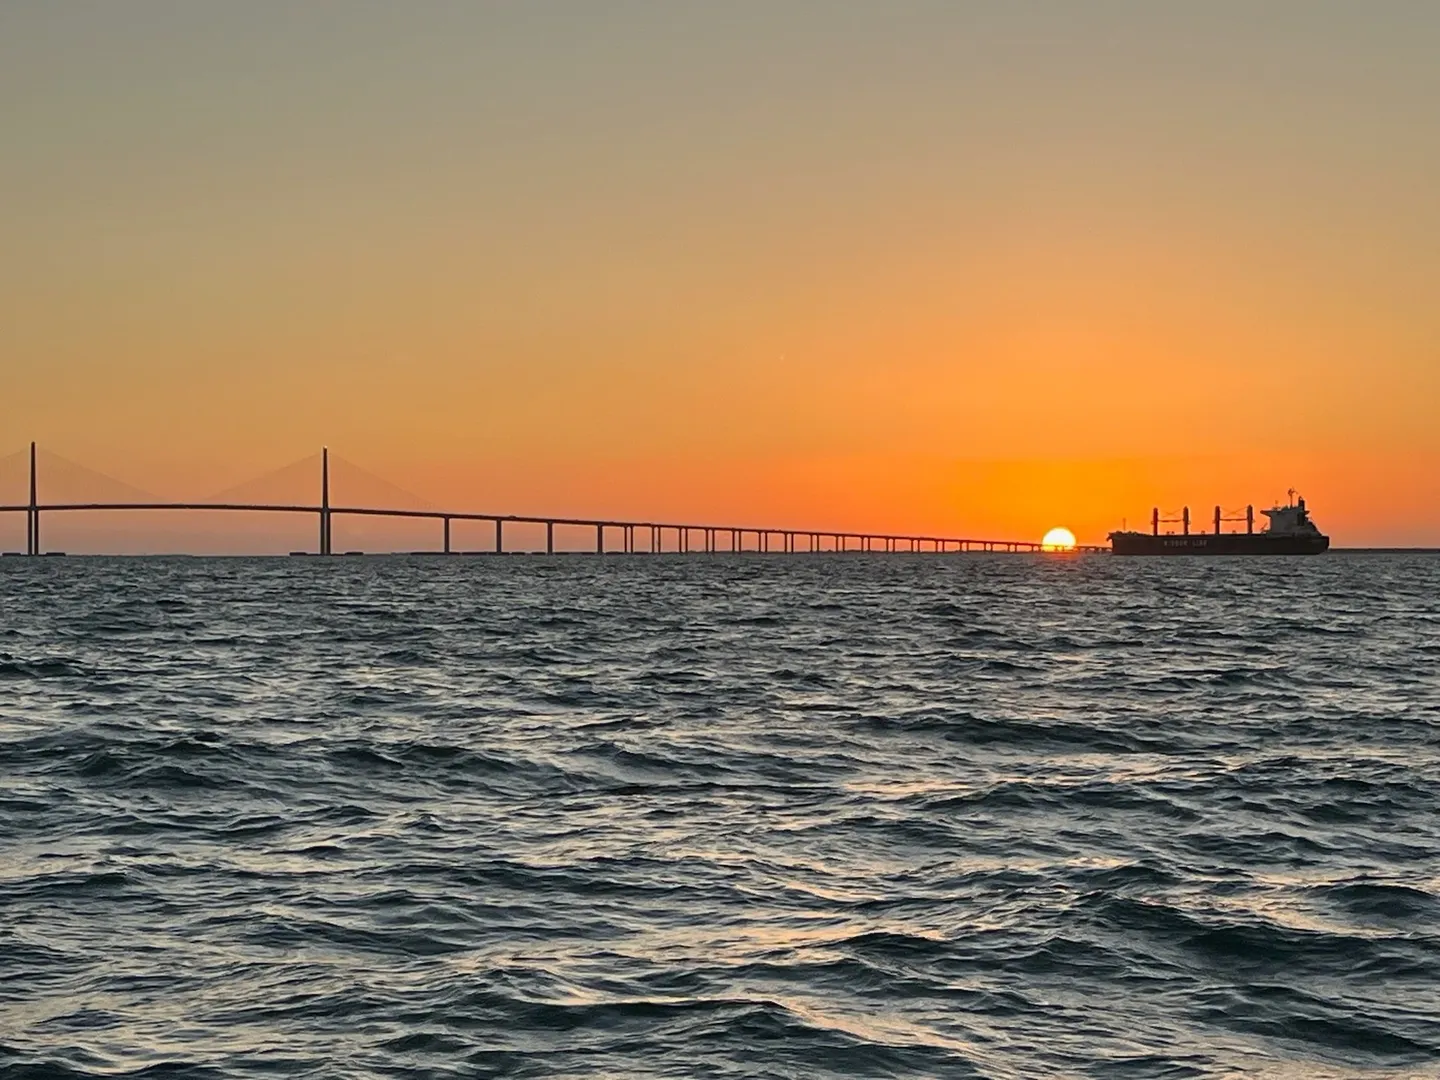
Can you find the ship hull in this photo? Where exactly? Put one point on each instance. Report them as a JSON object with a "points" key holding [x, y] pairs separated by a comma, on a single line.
{"points": [[1122, 543]]}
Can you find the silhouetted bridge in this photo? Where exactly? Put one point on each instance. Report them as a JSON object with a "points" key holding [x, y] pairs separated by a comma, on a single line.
{"points": [[622, 534]]}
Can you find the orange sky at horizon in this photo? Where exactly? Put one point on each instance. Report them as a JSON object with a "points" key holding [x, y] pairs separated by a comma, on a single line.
{"points": [[971, 272], [983, 499]]}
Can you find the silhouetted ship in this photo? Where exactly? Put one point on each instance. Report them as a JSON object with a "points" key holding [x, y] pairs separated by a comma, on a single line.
{"points": [[1291, 532]]}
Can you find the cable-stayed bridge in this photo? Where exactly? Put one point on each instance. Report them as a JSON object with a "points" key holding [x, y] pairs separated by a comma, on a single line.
{"points": [[608, 536]]}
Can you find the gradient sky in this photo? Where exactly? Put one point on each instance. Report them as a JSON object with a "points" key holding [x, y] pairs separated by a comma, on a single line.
{"points": [[972, 268]]}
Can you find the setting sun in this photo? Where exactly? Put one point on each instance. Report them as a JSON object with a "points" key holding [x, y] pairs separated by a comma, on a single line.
{"points": [[1059, 540]]}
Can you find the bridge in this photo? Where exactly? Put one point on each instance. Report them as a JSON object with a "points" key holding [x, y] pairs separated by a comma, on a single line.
{"points": [[622, 536]]}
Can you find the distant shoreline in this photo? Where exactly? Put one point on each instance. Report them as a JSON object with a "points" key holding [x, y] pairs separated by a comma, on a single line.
{"points": [[20, 556], [1388, 550]]}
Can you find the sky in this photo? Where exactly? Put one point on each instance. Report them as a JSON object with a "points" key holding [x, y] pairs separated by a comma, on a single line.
{"points": [[968, 268]]}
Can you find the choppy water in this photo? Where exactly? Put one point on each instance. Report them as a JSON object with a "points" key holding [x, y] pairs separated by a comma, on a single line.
{"points": [[720, 817]]}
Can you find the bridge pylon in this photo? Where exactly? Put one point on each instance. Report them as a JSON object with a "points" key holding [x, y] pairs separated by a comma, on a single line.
{"points": [[32, 516], [324, 500]]}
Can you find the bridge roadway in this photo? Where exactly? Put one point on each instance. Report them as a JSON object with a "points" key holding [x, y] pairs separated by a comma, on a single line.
{"points": [[710, 536]]}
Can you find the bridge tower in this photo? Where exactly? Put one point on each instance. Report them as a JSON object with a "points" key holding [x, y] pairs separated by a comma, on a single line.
{"points": [[324, 500], [32, 515]]}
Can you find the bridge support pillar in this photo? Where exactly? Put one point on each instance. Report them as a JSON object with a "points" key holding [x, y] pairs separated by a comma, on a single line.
{"points": [[549, 538], [447, 536], [599, 539], [499, 537]]}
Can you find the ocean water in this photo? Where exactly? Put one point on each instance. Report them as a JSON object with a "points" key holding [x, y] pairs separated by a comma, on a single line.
{"points": [[720, 816]]}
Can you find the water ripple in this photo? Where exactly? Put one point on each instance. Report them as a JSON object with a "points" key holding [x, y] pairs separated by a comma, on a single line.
{"points": [[720, 817]]}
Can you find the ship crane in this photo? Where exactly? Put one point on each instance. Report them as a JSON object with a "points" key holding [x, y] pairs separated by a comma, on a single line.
{"points": [[1184, 520], [1248, 518], [1156, 521]]}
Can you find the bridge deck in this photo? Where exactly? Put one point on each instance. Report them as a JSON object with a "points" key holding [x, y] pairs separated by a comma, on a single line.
{"points": [[711, 533]]}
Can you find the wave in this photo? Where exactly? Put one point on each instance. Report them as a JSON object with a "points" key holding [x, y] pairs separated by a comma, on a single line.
{"points": [[913, 817]]}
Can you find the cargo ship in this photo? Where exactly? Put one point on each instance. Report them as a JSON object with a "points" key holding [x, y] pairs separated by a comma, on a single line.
{"points": [[1290, 532]]}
